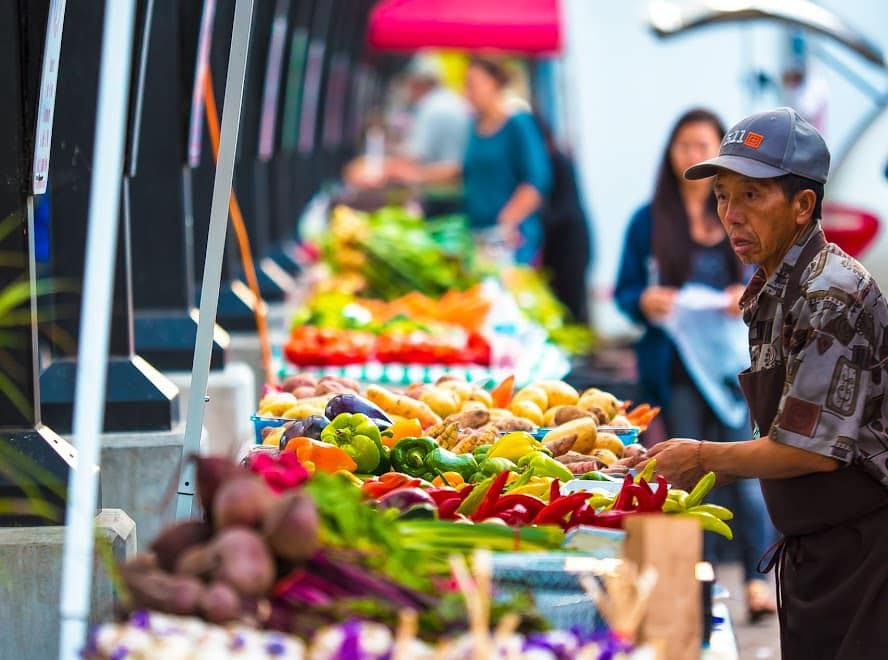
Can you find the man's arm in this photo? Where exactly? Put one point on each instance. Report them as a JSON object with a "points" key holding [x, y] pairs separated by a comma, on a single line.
{"points": [[683, 462]]}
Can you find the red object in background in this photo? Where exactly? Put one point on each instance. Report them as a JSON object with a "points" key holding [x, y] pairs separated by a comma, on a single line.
{"points": [[851, 228], [520, 26]]}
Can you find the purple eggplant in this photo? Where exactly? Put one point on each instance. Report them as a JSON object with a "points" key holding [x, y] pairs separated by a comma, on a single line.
{"points": [[307, 427], [352, 403]]}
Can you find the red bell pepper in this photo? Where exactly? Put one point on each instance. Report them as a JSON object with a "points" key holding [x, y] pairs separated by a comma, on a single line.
{"points": [[441, 495]]}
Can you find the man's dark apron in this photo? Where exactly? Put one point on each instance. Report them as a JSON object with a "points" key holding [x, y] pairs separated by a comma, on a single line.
{"points": [[832, 562]]}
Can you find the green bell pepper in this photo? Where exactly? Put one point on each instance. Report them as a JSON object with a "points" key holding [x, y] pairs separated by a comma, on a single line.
{"points": [[359, 437], [409, 454], [441, 460], [481, 452], [385, 461], [545, 466], [493, 466]]}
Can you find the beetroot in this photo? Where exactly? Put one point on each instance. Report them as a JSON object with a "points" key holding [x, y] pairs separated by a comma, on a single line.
{"points": [[244, 500], [242, 560], [291, 527], [220, 603], [152, 588], [177, 538], [212, 472]]}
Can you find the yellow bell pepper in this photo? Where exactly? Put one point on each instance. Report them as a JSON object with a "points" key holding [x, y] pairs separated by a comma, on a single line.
{"points": [[537, 486], [514, 446]]}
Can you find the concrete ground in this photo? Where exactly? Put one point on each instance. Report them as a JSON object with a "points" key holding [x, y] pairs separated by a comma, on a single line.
{"points": [[755, 642]]}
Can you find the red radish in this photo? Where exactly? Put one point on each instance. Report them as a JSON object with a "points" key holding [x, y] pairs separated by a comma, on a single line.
{"points": [[243, 500], [177, 538], [291, 527]]}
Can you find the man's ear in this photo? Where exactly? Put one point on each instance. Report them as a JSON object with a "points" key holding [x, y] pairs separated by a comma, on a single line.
{"points": [[803, 206]]}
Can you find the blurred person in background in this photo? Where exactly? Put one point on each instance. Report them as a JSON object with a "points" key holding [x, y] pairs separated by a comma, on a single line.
{"points": [[436, 136], [676, 239], [567, 245], [506, 172]]}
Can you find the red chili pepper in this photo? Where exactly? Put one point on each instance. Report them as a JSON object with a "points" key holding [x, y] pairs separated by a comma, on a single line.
{"points": [[611, 519], [447, 509], [659, 497], [554, 491], [488, 503], [532, 504], [515, 515], [466, 491], [555, 511], [625, 496], [639, 493], [441, 495]]}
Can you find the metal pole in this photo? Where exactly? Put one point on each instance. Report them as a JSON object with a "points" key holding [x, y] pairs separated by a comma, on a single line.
{"points": [[212, 275], [92, 358]]}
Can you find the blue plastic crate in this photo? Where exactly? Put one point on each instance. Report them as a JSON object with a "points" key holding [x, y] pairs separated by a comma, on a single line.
{"points": [[260, 423]]}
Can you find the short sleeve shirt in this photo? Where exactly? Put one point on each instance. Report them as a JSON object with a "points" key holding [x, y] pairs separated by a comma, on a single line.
{"points": [[833, 342], [440, 128]]}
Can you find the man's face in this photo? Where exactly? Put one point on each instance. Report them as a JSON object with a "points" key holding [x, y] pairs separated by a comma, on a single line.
{"points": [[761, 223]]}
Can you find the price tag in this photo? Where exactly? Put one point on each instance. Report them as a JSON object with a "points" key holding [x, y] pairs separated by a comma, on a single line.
{"points": [[272, 80], [195, 124], [46, 104]]}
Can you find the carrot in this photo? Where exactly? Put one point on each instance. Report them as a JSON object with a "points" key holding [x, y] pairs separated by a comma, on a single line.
{"points": [[502, 393]]}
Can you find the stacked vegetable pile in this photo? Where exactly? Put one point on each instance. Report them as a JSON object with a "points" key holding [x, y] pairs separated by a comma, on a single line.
{"points": [[391, 253], [455, 451], [340, 329], [280, 551]]}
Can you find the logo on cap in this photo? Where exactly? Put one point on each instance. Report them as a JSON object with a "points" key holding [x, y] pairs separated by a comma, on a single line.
{"points": [[753, 140]]}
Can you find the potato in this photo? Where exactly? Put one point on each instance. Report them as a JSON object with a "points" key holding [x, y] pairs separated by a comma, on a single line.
{"points": [[303, 392], [274, 405], [528, 410], [461, 387], [562, 414], [443, 401], [594, 397], [558, 392], [299, 380], [512, 423], [605, 456], [472, 405], [620, 421], [585, 429], [301, 410], [611, 442], [535, 394], [498, 413], [404, 406], [482, 395]]}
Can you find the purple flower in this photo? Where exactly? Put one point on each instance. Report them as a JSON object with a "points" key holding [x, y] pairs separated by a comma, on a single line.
{"points": [[237, 642], [275, 647], [350, 649], [140, 619], [119, 653]]}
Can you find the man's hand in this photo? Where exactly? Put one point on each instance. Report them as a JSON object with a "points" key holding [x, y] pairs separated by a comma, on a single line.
{"points": [[678, 460], [657, 301]]}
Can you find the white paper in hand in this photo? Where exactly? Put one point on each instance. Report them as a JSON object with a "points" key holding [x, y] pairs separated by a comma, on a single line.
{"points": [[713, 347]]}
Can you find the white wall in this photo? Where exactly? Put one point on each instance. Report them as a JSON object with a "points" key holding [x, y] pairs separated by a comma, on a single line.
{"points": [[624, 89]]}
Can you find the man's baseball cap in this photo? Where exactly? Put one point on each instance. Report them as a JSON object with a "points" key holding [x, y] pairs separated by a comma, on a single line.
{"points": [[767, 145]]}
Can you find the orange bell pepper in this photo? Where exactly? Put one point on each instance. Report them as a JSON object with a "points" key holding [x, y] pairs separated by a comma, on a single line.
{"points": [[502, 393], [322, 455], [451, 479], [406, 428]]}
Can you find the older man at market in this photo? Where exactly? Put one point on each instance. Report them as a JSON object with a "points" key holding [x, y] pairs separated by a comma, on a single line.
{"points": [[816, 387]]}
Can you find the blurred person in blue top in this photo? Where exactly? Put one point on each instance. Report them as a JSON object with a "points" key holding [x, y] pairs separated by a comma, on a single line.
{"points": [[674, 240], [506, 170]]}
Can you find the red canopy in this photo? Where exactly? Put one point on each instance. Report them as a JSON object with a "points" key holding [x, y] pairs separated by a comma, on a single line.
{"points": [[522, 26]]}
